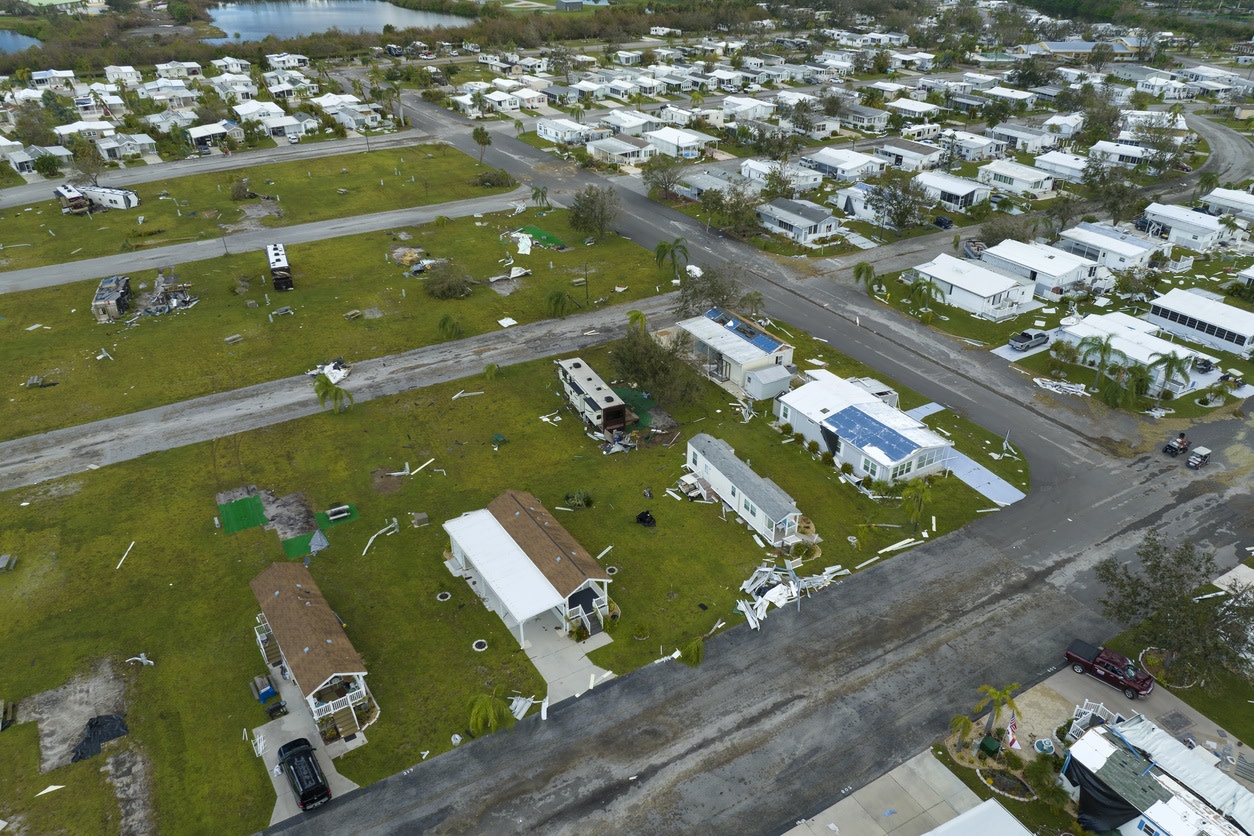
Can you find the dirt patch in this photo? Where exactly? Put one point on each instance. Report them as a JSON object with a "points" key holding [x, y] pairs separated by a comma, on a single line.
{"points": [[290, 516], [661, 421], [383, 483], [372, 313], [254, 213], [505, 287], [62, 713], [54, 490], [128, 771]]}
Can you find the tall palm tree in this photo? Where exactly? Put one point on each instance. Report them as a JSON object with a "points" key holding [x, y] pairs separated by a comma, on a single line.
{"points": [[519, 127], [915, 497], [637, 320], [1207, 182], [752, 303], [673, 250], [924, 290], [577, 110], [696, 97], [961, 725], [864, 274], [540, 196], [326, 391], [995, 700], [1172, 367], [482, 138], [1099, 348]]}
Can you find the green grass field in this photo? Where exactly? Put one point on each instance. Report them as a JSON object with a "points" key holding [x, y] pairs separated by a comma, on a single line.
{"points": [[183, 597], [167, 359], [200, 206]]}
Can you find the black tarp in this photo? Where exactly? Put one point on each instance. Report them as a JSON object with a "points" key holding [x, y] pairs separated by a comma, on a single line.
{"points": [[1101, 808], [100, 730]]}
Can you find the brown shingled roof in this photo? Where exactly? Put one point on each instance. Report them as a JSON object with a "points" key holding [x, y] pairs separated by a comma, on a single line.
{"points": [[544, 540], [314, 644]]}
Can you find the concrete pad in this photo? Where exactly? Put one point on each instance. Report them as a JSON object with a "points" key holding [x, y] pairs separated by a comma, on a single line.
{"points": [[885, 794], [917, 785], [561, 661], [1041, 711]]}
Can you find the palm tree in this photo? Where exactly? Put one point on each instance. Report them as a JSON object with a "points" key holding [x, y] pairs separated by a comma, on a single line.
{"points": [[693, 652], [1171, 366], [961, 725], [1100, 348], [752, 303], [482, 138], [696, 97], [340, 398], [864, 274], [519, 127], [924, 290], [450, 328], [637, 320], [540, 196], [479, 102], [1137, 378], [576, 110], [1219, 389], [488, 713], [673, 250], [1207, 182], [915, 497], [995, 700], [559, 304]]}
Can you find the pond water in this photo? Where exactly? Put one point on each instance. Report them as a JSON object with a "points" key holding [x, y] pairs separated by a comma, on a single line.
{"points": [[254, 21], [13, 42]]}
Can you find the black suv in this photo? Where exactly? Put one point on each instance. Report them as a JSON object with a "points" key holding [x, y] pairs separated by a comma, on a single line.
{"points": [[300, 766], [943, 222]]}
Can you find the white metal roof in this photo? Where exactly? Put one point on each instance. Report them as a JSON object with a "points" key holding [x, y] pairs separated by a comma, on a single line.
{"points": [[948, 183], [843, 158], [1234, 198], [503, 565], [723, 340], [1175, 215], [1207, 310], [1063, 159], [1131, 337], [967, 275], [825, 394], [988, 819], [1018, 171], [1114, 242], [1047, 260]]}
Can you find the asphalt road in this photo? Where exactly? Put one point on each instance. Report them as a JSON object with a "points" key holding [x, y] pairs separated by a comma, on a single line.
{"points": [[250, 241]]}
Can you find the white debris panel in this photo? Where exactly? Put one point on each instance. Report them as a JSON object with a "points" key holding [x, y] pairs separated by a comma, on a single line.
{"points": [[772, 585]]}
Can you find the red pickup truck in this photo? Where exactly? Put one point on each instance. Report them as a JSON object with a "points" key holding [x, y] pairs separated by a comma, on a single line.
{"points": [[1110, 667]]}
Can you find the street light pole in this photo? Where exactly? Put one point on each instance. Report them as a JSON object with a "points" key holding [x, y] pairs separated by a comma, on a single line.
{"points": [[586, 296]]}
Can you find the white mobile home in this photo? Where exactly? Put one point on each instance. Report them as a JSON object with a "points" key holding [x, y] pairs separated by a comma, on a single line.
{"points": [[957, 194], [1010, 176], [843, 164], [801, 220], [1063, 166], [1134, 341], [1108, 246], [1184, 227], [729, 346], [974, 288], [1208, 321], [757, 500], [107, 198], [909, 156], [1054, 273], [594, 401], [858, 427]]}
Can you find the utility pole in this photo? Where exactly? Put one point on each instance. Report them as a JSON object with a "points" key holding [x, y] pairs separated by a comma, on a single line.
{"points": [[586, 295]]}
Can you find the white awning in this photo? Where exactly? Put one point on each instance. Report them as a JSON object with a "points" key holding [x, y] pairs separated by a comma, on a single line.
{"points": [[503, 565]]}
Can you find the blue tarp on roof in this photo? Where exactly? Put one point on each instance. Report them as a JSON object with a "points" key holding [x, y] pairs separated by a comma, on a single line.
{"points": [[863, 431], [744, 329]]}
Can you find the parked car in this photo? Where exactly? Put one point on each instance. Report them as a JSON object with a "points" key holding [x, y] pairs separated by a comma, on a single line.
{"points": [[1198, 458], [1029, 339], [305, 776], [943, 222], [1203, 365], [1110, 667], [293, 138], [427, 56]]}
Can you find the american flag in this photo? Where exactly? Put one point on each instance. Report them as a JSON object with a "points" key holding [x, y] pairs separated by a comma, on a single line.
{"points": [[1012, 730]]}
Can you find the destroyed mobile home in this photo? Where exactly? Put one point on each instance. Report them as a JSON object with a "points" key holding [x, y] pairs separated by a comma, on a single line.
{"points": [[605, 414], [114, 299]]}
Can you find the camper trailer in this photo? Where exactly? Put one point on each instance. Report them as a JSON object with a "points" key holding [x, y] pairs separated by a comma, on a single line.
{"points": [[105, 198], [597, 404], [73, 202], [280, 272]]}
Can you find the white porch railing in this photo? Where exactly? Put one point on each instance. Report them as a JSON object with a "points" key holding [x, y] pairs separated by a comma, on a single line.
{"points": [[352, 698]]}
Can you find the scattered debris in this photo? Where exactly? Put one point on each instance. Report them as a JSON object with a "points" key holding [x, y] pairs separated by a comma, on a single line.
{"points": [[1061, 387], [462, 394], [50, 788], [514, 273], [389, 529], [769, 584], [143, 659], [421, 466], [128, 551], [335, 371], [519, 706]]}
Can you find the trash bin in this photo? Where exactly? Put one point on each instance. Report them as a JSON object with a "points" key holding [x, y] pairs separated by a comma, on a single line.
{"points": [[990, 745], [262, 689]]}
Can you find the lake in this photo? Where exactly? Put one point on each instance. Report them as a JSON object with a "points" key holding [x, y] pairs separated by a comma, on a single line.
{"points": [[254, 21], [13, 42]]}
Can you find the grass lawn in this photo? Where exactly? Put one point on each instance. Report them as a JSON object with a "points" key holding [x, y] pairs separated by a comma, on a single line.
{"points": [[200, 206], [332, 277], [9, 177], [183, 597]]}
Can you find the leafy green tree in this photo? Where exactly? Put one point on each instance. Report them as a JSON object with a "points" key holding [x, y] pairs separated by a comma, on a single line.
{"points": [[714, 288], [47, 165], [674, 251], [87, 160], [899, 202], [1198, 638], [489, 713], [693, 652], [752, 303], [594, 211], [482, 138], [662, 371], [995, 701], [664, 173], [327, 392], [31, 126]]}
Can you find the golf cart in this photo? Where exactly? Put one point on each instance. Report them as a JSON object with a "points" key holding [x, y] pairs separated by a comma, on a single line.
{"points": [[1199, 457], [1177, 445]]}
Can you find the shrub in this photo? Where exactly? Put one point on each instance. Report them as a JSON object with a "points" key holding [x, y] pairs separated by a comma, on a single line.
{"points": [[786, 429], [1013, 762], [579, 499], [846, 468], [799, 438], [813, 447], [447, 281], [496, 177], [828, 458]]}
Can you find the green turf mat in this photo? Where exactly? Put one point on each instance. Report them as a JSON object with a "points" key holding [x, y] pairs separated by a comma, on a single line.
{"points": [[297, 546], [546, 239], [325, 522], [638, 403], [242, 514]]}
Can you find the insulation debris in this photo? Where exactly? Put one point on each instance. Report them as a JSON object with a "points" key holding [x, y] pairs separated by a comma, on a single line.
{"points": [[772, 585], [1061, 387]]}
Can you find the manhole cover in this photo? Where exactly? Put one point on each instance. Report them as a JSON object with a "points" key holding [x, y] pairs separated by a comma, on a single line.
{"points": [[479, 645], [444, 596], [611, 570]]}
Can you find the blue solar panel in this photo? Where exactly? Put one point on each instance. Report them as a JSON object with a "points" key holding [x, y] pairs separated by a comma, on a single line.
{"points": [[863, 431], [744, 329]]}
